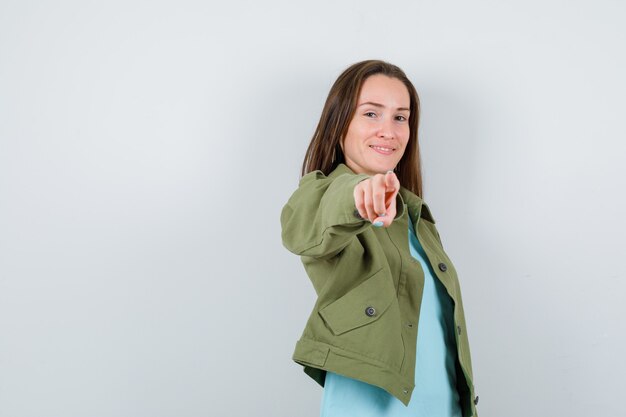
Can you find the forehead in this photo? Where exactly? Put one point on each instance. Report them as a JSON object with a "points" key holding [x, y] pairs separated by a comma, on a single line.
{"points": [[381, 88]]}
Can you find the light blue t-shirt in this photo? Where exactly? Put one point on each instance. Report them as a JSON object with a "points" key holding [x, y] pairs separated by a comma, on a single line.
{"points": [[435, 393]]}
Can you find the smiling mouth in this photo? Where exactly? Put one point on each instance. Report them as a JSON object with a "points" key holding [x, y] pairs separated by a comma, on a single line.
{"points": [[382, 149]]}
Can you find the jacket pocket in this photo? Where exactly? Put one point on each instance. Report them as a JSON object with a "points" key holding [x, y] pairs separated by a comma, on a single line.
{"points": [[362, 305]]}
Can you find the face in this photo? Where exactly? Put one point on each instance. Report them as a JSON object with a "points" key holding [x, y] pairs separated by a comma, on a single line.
{"points": [[379, 131]]}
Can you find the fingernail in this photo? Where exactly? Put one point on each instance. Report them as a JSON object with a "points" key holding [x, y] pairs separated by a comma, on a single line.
{"points": [[378, 223], [382, 215], [391, 170]]}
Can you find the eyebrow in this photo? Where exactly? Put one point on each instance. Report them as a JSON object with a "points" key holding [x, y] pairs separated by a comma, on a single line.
{"points": [[380, 105]]}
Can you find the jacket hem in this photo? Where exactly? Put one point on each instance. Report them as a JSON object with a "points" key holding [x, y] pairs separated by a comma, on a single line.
{"points": [[318, 357]]}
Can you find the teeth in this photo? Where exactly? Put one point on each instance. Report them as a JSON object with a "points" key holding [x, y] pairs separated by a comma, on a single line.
{"points": [[381, 148]]}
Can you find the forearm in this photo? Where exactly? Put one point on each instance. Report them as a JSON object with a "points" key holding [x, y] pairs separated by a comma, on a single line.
{"points": [[320, 218]]}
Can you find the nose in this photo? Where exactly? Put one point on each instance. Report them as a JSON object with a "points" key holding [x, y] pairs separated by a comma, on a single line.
{"points": [[386, 128]]}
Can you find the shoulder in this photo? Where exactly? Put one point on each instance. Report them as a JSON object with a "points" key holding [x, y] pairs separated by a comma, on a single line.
{"points": [[313, 176], [340, 174]]}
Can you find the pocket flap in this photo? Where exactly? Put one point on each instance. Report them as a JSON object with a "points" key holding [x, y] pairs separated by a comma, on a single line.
{"points": [[362, 305]]}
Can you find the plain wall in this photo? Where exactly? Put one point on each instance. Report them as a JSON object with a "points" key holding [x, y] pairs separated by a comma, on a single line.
{"points": [[147, 148]]}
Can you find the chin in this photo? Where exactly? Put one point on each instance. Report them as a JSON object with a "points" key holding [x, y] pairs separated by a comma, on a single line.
{"points": [[378, 169]]}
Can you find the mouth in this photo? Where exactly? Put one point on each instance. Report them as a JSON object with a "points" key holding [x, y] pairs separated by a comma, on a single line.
{"points": [[384, 150]]}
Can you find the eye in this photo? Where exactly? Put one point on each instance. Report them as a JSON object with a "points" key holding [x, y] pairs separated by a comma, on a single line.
{"points": [[370, 112], [402, 118]]}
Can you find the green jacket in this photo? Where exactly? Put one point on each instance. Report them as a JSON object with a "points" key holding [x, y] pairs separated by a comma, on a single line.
{"points": [[369, 286]]}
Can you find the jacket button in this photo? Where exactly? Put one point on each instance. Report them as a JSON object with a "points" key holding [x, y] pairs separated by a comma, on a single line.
{"points": [[370, 311], [358, 215], [476, 400], [458, 329], [443, 266]]}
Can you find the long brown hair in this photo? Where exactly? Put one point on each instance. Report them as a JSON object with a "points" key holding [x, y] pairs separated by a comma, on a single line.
{"points": [[324, 152]]}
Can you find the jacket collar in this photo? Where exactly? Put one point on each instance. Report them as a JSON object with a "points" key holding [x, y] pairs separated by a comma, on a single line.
{"points": [[416, 206]]}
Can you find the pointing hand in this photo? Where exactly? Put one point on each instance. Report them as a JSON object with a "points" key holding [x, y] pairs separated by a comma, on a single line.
{"points": [[375, 198]]}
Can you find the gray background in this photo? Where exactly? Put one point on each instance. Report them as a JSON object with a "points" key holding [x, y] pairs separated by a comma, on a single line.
{"points": [[148, 147]]}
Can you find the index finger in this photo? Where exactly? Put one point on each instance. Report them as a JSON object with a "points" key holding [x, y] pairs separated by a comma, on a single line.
{"points": [[391, 181]]}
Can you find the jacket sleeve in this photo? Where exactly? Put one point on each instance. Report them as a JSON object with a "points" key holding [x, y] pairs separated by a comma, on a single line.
{"points": [[319, 220]]}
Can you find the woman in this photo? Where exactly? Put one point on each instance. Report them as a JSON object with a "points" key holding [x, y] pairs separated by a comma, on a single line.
{"points": [[387, 334]]}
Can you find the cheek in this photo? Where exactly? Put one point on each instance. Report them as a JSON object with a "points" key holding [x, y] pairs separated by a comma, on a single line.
{"points": [[405, 133], [361, 135], [359, 128], [353, 138]]}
